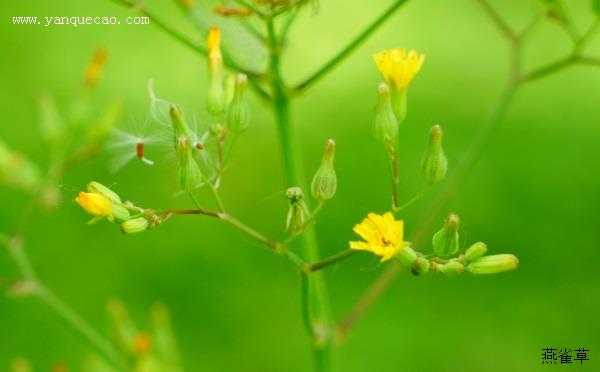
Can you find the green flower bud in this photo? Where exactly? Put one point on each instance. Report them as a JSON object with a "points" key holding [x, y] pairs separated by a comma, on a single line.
{"points": [[475, 251], [434, 163], [123, 329], [135, 225], [324, 183], [421, 266], [164, 343], [407, 256], [238, 115], [451, 268], [446, 242], [98, 188], [385, 126], [189, 172], [119, 213], [297, 212], [493, 264]]}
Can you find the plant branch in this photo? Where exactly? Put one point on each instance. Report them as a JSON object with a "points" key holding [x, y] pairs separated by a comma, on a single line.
{"points": [[333, 259], [502, 26], [333, 62]]}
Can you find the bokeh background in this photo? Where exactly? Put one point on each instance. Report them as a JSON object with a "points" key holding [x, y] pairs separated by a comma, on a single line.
{"points": [[235, 306]]}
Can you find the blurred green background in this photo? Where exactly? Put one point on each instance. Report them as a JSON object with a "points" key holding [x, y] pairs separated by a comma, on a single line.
{"points": [[235, 306]]}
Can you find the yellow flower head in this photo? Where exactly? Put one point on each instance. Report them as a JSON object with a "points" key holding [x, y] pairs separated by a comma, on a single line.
{"points": [[399, 66], [383, 235], [95, 204]]}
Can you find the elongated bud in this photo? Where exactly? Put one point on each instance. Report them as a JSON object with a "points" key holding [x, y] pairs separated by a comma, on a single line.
{"points": [[446, 242], [20, 365], [238, 116], [493, 264], [451, 268], [324, 183], [296, 211], [135, 225], [475, 251], [18, 171], [189, 172], [216, 92], [385, 126], [434, 163], [52, 126], [98, 188], [421, 266]]}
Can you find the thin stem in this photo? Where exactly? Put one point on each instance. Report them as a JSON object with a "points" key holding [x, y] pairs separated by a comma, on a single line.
{"points": [[504, 28], [191, 211], [24, 266], [549, 69], [333, 62], [335, 258], [411, 201], [395, 177], [80, 325], [249, 231]]}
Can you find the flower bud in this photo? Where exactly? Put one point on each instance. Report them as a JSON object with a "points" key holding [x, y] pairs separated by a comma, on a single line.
{"points": [[189, 172], [407, 256], [493, 264], [135, 225], [98, 188], [446, 242], [385, 126], [434, 163], [297, 210], [475, 251], [324, 183], [451, 268], [216, 92], [238, 116], [421, 266]]}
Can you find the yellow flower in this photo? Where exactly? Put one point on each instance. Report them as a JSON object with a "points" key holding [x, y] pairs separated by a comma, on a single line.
{"points": [[95, 204], [399, 66], [383, 235]]}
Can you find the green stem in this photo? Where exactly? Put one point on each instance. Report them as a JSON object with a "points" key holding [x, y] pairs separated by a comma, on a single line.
{"points": [[315, 298], [414, 199], [81, 326], [350, 47], [62, 309], [249, 231], [335, 258]]}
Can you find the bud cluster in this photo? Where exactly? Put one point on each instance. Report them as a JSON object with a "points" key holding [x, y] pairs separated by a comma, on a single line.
{"points": [[449, 261]]}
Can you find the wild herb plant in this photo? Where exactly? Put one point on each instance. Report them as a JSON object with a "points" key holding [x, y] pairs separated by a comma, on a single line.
{"points": [[201, 158]]}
